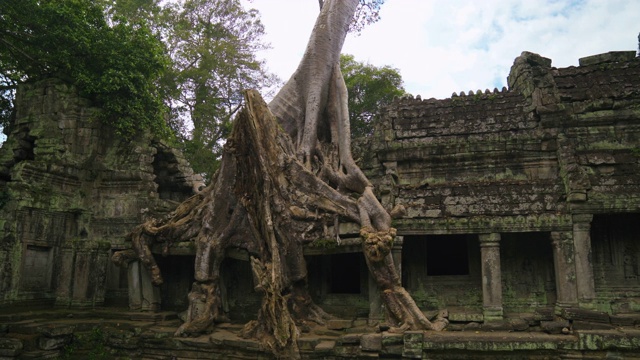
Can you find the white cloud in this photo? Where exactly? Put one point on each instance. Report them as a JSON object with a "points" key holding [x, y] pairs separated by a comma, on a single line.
{"points": [[442, 47]]}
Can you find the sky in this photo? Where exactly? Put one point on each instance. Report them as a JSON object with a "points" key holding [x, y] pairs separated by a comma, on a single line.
{"points": [[446, 46]]}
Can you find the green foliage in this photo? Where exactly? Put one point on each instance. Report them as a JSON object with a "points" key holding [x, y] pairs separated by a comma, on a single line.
{"points": [[116, 65], [212, 45], [369, 88], [90, 346]]}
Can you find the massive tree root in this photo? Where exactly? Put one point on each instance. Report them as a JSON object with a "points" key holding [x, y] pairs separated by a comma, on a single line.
{"points": [[286, 175]]}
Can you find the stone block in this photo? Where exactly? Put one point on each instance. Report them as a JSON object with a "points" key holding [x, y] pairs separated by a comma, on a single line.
{"points": [[326, 332], [621, 319], [585, 315], [371, 342], [389, 339], [360, 322], [497, 326], [53, 343], [455, 327], [413, 344], [325, 347], [56, 330], [308, 344], [346, 351], [554, 327], [10, 347], [543, 314], [519, 324], [465, 316], [392, 350], [472, 326], [339, 324], [611, 56], [588, 325], [349, 339]]}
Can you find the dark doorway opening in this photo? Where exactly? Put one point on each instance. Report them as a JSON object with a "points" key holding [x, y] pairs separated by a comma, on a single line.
{"points": [[447, 255], [345, 273], [178, 273]]}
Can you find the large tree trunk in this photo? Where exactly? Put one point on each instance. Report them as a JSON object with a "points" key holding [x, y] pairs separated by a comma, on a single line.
{"points": [[286, 174]]}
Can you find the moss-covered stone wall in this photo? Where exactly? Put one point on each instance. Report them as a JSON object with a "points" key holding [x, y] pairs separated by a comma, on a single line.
{"points": [[71, 189], [557, 149]]}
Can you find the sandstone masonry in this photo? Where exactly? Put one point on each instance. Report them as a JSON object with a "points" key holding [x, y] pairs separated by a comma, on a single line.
{"points": [[70, 189]]}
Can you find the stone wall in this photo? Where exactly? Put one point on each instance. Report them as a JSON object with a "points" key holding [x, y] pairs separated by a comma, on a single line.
{"points": [[524, 199], [522, 173], [70, 189]]}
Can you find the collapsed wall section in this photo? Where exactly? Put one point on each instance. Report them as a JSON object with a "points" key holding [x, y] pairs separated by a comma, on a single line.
{"points": [[71, 190]]}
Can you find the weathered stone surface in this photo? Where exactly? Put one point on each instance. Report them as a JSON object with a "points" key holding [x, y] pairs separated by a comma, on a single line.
{"points": [[519, 324], [523, 162], [349, 339], [589, 325], [53, 343], [554, 327], [371, 342], [10, 347], [472, 326], [625, 319], [339, 324], [308, 343], [413, 344], [71, 189], [56, 330], [325, 347], [585, 315], [555, 154], [497, 326]]}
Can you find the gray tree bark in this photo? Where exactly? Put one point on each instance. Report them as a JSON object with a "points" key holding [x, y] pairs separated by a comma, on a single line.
{"points": [[286, 173]]}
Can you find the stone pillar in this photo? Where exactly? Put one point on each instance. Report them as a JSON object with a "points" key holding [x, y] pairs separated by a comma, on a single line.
{"points": [[565, 270], [396, 252], [135, 288], [82, 291], [375, 302], [143, 295], [584, 268], [64, 281], [491, 276]]}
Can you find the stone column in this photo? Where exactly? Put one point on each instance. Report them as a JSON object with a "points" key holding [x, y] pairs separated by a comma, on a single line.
{"points": [[134, 286], [565, 270], [491, 276], [396, 252], [375, 303], [143, 295], [584, 268], [64, 283]]}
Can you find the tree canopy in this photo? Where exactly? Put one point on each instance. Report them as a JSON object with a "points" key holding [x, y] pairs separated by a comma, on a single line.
{"points": [[369, 88], [116, 65], [212, 47], [147, 63]]}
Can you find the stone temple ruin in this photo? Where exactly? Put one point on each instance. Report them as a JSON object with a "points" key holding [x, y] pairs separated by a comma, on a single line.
{"points": [[522, 207]]}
